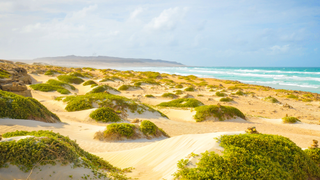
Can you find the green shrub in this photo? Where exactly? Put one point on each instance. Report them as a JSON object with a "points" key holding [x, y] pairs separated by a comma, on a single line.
{"points": [[290, 120], [226, 99], [121, 129], [148, 127], [292, 96], [271, 99], [89, 82], [111, 78], [19, 107], [83, 102], [59, 83], [50, 72], [169, 95], [234, 87], [149, 96], [252, 156], [314, 155], [239, 93], [220, 112], [146, 81], [102, 88], [105, 114], [54, 148], [4, 74], [189, 89], [49, 87], [150, 74], [127, 87], [220, 94], [70, 79], [178, 92], [179, 86], [184, 102]]}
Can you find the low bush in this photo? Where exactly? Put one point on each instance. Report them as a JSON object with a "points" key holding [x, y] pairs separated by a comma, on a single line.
{"points": [[105, 114], [292, 96], [47, 147], [271, 99], [111, 78], [83, 102], [226, 99], [149, 96], [50, 72], [59, 83], [252, 156], [48, 87], [220, 94], [314, 154], [148, 128], [4, 74], [183, 102], [120, 129], [102, 88], [239, 93], [70, 79], [146, 81], [179, 86], [124, 131], [89, 82], [178, 92], [19, 107], [189, 89], [215, 111], [127, 87], [169, 95], [290, 120]]}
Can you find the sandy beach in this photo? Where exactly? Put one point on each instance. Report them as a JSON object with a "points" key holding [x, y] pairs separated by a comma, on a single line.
{"points": [[157, 158]]}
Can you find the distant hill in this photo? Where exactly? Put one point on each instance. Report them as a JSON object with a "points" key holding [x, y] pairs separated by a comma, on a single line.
{"points": [[103, 61]]}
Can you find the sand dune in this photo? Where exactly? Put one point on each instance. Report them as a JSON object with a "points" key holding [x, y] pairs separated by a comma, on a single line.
{"points": [[159, 160]]}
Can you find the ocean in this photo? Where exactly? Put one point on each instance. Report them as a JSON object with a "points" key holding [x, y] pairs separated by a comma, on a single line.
{"points": [[292, 78]]}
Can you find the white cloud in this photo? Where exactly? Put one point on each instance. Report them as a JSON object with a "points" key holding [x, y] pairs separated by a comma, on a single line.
{"points": [[168, 19], [136, 13], [279, 49]]}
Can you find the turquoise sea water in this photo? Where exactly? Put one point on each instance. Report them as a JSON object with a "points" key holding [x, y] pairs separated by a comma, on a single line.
{"points": [[301, 78]]}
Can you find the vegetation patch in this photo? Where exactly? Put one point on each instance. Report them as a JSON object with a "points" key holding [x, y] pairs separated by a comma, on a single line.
{"points": [[216, 111], [314, 154], [48, 87], [19, 107], [290, 119], [50, 72], [189, 89], [226, 99], [70, 79], [105, 114], [149, 96], [128, 87], [111, 78], [183, 102], [169, 95], [146, 81], [89, 82], [47, 147], [271, 99], [178, 92], [118, 103], [59, 83], [292, 96], [252, 156], [179, 86], [124, 131], [4, 74], [220, 94], [102, 88]]}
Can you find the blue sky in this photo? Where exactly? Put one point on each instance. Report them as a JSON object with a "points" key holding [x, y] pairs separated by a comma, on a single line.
{"points": [[200, 33]]}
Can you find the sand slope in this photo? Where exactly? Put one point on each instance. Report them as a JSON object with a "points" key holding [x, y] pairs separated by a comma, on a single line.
{"points": [[159, 160]]}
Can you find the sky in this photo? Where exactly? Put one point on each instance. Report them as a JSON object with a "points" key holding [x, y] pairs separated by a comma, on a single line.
{"points": [[193, 32]]}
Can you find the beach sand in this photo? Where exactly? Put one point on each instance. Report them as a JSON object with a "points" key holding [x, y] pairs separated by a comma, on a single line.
{"points": [[157, 158]]}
